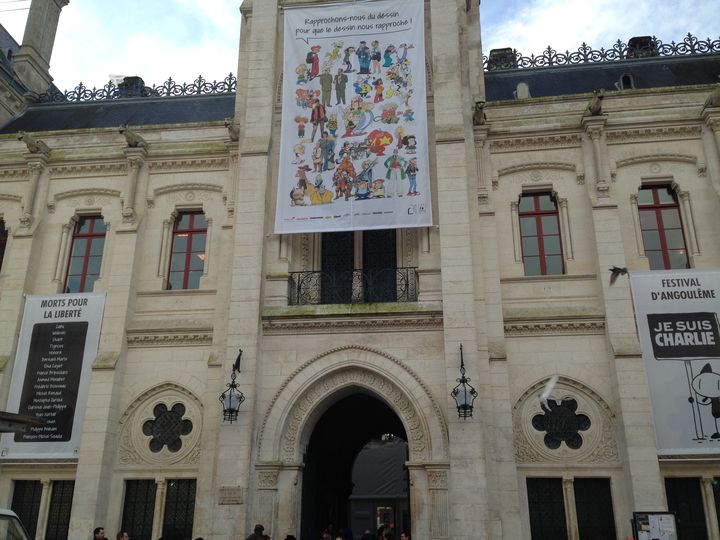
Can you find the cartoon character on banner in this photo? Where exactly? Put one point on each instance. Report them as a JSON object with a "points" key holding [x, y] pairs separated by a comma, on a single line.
{"points": [[402, 56], [379, 87], [340, 81], [706, 386], [378, 140], [313, 59], [395, 174], [362, 87], [301, 121], [299, 150], [375, 56], [349, 52], [303, 97], [388, 114], [363, 54], [301, 72], [378, 189], [411, 170], [387, 56]]}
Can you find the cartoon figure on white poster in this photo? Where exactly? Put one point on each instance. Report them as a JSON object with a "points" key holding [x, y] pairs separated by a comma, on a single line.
{"points": [[354, 88], [677, 318]]}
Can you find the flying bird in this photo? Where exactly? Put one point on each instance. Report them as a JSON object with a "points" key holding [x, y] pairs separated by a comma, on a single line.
{"points": [[545, 396], [615, 272]]}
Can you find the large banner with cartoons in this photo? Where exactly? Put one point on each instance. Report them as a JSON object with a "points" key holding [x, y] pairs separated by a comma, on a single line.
{"points": [[677, 319], [354, 148]]}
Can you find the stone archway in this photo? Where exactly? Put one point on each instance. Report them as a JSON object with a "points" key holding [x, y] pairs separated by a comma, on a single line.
{"points": [[305, 396]]}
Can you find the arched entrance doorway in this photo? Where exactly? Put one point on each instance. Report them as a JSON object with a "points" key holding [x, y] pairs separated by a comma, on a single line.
{"points": [[354, 470]]}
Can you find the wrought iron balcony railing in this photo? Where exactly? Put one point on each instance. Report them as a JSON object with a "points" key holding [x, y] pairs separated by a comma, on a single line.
{"points": [[353, 286]]}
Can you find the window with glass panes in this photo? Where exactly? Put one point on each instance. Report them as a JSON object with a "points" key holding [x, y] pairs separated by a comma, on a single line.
{"points": [[684, 497], [58, 520], [187, 252], [88, 241], [179, 509], [138, 509], [3, 241], [26, 503], [540, 235], [662, 230]]}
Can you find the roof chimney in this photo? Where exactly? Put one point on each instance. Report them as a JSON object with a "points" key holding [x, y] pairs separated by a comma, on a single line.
{"points": [[32, 61]]}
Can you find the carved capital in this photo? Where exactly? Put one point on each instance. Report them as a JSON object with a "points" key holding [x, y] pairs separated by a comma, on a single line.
{"points": [[437, 478]]}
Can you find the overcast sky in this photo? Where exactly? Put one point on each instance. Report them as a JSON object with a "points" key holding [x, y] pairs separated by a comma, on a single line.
{"points": [[186, 38]]}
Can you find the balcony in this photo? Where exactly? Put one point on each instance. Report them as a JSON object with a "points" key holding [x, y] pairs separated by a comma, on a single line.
{"points": [[363, 286]]}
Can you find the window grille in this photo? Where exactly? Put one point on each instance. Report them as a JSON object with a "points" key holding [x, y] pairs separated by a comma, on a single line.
{"points": [[58, 522], [138, 508], [26, 503]]}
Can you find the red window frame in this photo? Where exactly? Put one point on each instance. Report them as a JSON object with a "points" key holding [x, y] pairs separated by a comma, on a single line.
{"points": [[181, 258], [3, 241], [91, 231], [537, 213], [656, 212]]}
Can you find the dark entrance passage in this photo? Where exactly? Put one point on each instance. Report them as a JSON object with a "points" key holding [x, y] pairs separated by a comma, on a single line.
{"points": [[354, 474]]}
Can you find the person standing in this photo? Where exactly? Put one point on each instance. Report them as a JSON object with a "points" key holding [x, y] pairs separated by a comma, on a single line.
{"points": [[257, 533], [404, 535], [122, 535], [340, 83], [99, 533]]}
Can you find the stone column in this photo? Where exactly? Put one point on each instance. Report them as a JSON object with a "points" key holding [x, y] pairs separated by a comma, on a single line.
{"points": [[37, 164], [594, 126], [711, 116], [570, 513], [462, 275], [439, 503], [254, 112], [420, 511], [44, 508], [631, 399], [135, 160], [160, 492], [266, 510], [711, 517]]}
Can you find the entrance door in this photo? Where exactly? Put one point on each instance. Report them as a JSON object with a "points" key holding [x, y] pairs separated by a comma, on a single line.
{"points": [[354, 471]]}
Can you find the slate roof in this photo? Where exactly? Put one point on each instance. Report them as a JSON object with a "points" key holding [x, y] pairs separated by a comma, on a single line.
{"points": [[500, 85], [577, 79], [131, 111]]}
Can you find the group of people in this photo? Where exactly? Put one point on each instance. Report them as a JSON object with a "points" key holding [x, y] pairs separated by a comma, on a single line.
{"points": [[99, 534]]}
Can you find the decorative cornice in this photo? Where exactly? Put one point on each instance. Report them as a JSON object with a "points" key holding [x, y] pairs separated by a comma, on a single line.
{"points": [[106, 168], [537, 142], [180, 338], [554, 327], [19, 173], [353, 325], [220, 163], [653, 133], [682, 158]]}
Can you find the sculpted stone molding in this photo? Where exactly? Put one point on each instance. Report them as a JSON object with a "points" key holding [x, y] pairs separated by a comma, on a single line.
{"points": [[134, 445], [108, 168], [168, 339], [347, 377], [86, 197], [221, 163], [643, 134], [186, 193], [352, 324], [303, 389], [437, 479], [540, 141], [599, 444], [534, 168], [535, 328], [654, 160], [19, 173], [10, 197]]}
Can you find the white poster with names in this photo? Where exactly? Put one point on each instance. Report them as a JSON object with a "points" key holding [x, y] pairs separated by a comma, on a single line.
{"points": [[354, 146], [51, 376], [677, 318]]}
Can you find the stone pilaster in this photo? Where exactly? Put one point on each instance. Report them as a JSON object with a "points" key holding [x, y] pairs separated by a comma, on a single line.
{"points": [[135, 161]]}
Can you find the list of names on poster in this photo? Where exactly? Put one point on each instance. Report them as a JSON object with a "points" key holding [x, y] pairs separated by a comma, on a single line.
{"points": [[52, 379]]}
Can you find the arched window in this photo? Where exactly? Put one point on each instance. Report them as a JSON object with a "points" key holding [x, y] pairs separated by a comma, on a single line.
{"points": [[86, 251], [187, 252], [662, 229], [540, 234]]}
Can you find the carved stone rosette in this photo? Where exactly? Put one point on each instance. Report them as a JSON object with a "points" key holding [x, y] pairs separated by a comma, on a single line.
{"points": [[135, 445], [599, 445]]}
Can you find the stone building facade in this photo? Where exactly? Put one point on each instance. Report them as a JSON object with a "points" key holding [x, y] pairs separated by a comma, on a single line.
{"points": [[468, 478]]}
